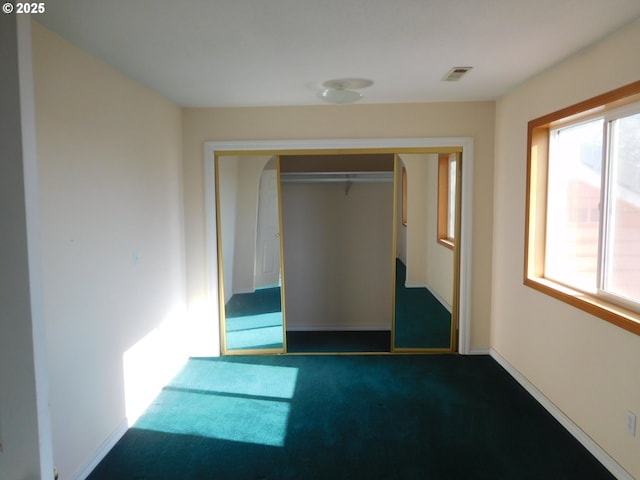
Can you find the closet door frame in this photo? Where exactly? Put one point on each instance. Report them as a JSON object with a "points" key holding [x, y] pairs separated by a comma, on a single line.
{"points": [[464, 145]]}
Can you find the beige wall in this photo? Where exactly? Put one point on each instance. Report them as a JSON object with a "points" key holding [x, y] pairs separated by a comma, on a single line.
{"points": [[24, 411], [354, 121], [239, 191], [440, 264], [246, 222], [586, 366], [429, 264], [338, 255], [227, 205], [109, 154], [416, 229]]}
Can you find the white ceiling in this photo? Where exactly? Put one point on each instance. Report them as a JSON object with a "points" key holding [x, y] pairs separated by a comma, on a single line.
{"points": [[278, 52]]}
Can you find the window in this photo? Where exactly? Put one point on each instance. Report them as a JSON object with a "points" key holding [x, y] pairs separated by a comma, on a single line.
{"points": [[447, 177], [583, 206]]}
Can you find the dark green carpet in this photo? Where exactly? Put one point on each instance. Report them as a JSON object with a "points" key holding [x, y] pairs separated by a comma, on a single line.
{"points": [[421, 320], [341, 341], [347, 417], [263, 300], [254, 320]]}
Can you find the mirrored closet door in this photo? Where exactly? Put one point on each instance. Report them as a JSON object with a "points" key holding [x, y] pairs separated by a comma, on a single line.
{"points": [[426, 237], [250, 254]]}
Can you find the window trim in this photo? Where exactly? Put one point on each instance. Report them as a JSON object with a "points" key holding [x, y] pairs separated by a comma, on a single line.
{"points": [[535, 213], [404, 196], [443, 201]]}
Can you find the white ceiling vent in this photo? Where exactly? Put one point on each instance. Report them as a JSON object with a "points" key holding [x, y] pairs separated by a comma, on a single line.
{"points": [[456, 73]]}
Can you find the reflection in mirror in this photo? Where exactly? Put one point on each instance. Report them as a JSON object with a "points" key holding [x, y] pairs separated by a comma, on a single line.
{"points": [[249, 254], [424, 282]]}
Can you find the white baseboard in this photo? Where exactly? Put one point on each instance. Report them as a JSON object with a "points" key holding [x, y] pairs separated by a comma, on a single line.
{"points": [[415, 285], [102, 450], [479, 351], [444, 303], [603, 457]]}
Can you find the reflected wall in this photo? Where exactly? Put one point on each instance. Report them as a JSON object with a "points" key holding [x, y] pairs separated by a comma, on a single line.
{"points": [[249, 241], [424, 269]]}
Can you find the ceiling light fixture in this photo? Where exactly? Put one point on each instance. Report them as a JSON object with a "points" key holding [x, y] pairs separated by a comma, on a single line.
{"points": [[342, 90]]}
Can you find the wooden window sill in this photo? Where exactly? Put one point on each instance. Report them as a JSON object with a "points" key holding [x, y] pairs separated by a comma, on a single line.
{"points": [[445, 242], [619, 316]]}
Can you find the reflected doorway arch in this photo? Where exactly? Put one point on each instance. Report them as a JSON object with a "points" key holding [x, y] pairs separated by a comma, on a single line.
{"points": [[267, 262]]}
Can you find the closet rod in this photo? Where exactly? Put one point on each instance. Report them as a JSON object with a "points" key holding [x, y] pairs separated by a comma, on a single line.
{"points": [[332, 177]]}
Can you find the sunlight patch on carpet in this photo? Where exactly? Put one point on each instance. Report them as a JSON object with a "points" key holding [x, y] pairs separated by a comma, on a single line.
{"points": [[237, 378], [254, 331], [223, 417], [229, 401]]}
